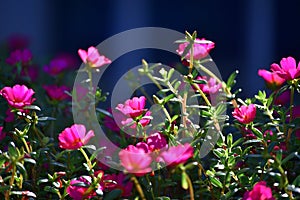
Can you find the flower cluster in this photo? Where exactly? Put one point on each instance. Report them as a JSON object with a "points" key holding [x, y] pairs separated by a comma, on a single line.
{"points": [[195, 138]]}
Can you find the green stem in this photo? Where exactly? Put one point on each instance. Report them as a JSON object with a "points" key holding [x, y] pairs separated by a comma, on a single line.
{"points": [[86, 158], [89, 71], [11, 182], [167, 113], [150, 183], [191, 59], [202, 94], [191, 189], [26, 145], [291, 116], [138, 187], [154, 81]]}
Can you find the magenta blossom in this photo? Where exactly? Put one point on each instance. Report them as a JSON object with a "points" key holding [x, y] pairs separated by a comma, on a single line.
{"points": [[211, 87], [144, 121], [93, 58], [2, 133], [57, 93], [245, 114], [18, 96], [260, 191], [59, 64], [18, 56], [288, 70], [283, 98], [74, 137], [133, 107], [10, 117], [273, 81], [156, 141], [110, 122], [135, 160], [177, 154], [79, 192], [201, 47], [121, 182], [15, 42]]}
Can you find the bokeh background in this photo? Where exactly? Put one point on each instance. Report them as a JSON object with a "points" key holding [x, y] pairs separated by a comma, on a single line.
{"points": [[249, 34]]}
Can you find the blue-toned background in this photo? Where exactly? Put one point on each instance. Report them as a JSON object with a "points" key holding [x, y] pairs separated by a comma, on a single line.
{"points": [[249, 34]]}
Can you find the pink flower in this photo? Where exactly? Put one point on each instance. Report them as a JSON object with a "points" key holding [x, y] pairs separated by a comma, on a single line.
{"points": [[10, 117], [133, 107], [245, 114], [74, 137], [296, 112], [19, 56], [17, 42], [59, 64], [31, 72], [135, 160], [110, 122], [57, 93], [211, 87], [2, 133], [78, 192], [121, 182], [144, 121], [93, 58], [177, 154], [260, 191], [18, 96], [268, 134], [201, 47], [156, 141], [287, 69], [272, 80], [283, 98]]}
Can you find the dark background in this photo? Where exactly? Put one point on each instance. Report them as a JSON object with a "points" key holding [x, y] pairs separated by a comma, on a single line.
{"points": [[249, 34]]}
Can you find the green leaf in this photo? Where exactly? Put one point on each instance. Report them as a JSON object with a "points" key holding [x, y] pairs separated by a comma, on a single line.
{"points": [[257, 132], [41, 181], [289, 157], [166, 99], [231, 79], [22, 169], [92, 147], [216, 182], [184, 181], [30, 160], [162, 198], [12, 150], [104, 112], [237, 142], [32, 107], [23, 193], [296, 182], [252, 141], [2, 160], [114, 194], [170, 73], [4, 188], [200, 81], [95, 153], [279, 156], [51, 189], [218, 153], [46, 119], [186, 50], [229, 140]]}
